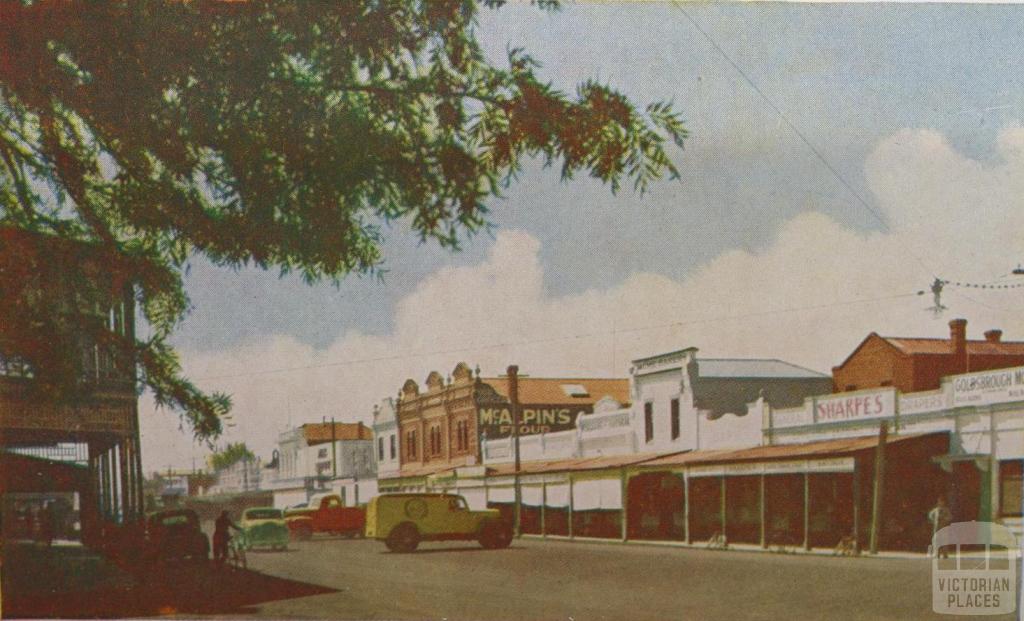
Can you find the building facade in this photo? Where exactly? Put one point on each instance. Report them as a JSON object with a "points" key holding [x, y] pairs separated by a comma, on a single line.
{"points": [[917, 364], [324, 457], [443, 427], [98, 429], [385, 433]]}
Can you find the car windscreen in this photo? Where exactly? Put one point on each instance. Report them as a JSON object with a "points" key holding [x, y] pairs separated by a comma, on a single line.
{"points": [[263, 514]]}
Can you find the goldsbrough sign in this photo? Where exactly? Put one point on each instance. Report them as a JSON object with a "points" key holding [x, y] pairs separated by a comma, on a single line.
{"points": [[496, 420]]}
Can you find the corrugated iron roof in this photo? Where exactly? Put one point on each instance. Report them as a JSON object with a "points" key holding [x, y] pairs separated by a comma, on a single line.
{"points": [[753, 367], [840, 446], [572, 465], [422, 471], [318, 433], [558, 391]]}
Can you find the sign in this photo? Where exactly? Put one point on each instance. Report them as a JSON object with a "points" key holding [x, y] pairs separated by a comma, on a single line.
{"points": [[496, 420], [855, 406], [919, 404], [794, 466], [989, 387]]}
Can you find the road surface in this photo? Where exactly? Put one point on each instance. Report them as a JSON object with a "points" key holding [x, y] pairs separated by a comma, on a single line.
{"points": [[583, 581]]}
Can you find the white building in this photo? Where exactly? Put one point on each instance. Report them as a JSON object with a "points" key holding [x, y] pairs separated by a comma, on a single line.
{"points": [[385, 433], [324, 457], [245, 475], [679, 403]]}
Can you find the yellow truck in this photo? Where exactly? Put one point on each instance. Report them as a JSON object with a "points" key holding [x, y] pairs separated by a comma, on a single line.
{"points": [[402, 521]]}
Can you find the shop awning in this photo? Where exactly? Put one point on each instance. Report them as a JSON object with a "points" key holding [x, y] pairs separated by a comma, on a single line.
{"points": [[574, 465], [824, 448], [422, 472]]}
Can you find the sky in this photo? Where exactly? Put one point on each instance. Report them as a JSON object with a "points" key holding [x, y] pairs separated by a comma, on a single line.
{"points": [[840, 158]]}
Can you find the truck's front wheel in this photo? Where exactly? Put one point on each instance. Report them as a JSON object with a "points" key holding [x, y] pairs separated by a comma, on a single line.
{"points": [[495, 535], [404, 538]]}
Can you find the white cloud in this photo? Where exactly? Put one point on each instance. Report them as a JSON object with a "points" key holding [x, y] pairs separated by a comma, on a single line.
{"points": [[959, 217]]}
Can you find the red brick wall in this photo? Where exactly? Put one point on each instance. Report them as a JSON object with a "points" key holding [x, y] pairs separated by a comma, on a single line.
{"points": [[874, 364]]}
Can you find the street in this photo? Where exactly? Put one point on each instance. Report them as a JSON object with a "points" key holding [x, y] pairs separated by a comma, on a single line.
{"points": [[560, 580]]}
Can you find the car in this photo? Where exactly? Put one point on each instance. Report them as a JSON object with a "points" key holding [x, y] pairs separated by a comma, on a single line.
{"points": [[175, 535], [264, 527], [402, 521], [325, 514]]}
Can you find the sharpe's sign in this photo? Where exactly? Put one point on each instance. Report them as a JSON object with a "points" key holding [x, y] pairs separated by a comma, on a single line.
{"points": [[496, 420], [855, 406]]}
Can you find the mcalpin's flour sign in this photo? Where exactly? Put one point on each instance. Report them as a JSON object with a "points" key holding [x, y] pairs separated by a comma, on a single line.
{"points": [[989, 387], [496, 420]]}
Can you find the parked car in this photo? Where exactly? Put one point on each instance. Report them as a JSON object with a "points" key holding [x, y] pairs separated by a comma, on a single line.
{"points": [[325, 514], [264, 527], [402, 521], [175, 535]]}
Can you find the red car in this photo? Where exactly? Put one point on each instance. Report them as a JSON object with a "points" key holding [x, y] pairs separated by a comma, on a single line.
{"points": [[325, 514]]}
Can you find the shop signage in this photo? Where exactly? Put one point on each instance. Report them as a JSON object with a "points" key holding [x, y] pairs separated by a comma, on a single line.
{"points": [[822, 465], [989, 387], [853, 407], [917, 404], [496, 420]]}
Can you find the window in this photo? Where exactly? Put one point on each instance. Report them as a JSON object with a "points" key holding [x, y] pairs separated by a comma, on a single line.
{"points": [[321, 454], [392, 437], [435, 440], [675, 419], [380, 449], [648, 421], [1011, 487], [462, 435], [410, 444]]}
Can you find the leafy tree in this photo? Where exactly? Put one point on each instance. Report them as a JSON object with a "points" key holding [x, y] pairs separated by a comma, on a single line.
{"points": [[230, 455], [279, 134]]}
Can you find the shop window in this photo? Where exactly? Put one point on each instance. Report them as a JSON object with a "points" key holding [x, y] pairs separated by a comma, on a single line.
{"points": [[1011, 487], [648, 421], [675, 419]]}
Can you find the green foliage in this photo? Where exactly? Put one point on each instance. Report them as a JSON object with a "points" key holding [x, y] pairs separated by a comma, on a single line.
{"points": [[276, 134], [230, 455]]}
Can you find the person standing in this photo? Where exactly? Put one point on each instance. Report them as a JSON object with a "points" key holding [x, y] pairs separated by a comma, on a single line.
{"points": [[222, 535], [940, 517]]}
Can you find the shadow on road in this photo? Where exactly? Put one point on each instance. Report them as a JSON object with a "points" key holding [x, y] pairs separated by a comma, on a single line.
{"points": [[72, 582], [440, 550]]}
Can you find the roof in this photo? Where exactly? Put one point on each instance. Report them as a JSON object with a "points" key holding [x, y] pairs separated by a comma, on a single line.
{"points": [[753, 368], [422, 471], [318, 433], [926, 346], [573, 465], [840, 446], [560, 391]]}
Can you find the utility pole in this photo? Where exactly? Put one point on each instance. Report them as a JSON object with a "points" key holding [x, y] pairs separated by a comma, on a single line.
{"points": [[513, 397], [879, 488], [334, 452]]}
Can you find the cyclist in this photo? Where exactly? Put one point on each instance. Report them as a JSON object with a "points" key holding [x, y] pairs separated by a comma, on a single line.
{"points": [[222, 535]]}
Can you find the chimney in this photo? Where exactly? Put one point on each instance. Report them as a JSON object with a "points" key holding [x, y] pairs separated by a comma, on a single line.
{"points": [[993, 336], [958, 344]]}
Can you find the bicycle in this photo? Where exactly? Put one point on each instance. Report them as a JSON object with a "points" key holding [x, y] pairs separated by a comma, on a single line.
{"points": [[236, 553]]}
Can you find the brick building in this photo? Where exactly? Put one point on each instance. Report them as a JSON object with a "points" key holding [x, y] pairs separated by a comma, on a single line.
{"points": [[916, 364], [440, 427]]}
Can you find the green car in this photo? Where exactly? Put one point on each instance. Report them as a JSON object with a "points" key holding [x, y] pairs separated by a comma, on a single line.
{"points": [[264, 527]]}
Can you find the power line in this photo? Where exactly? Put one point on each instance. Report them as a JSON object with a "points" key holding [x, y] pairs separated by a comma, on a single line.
{"points": [[676, 324], [796, 130]]}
